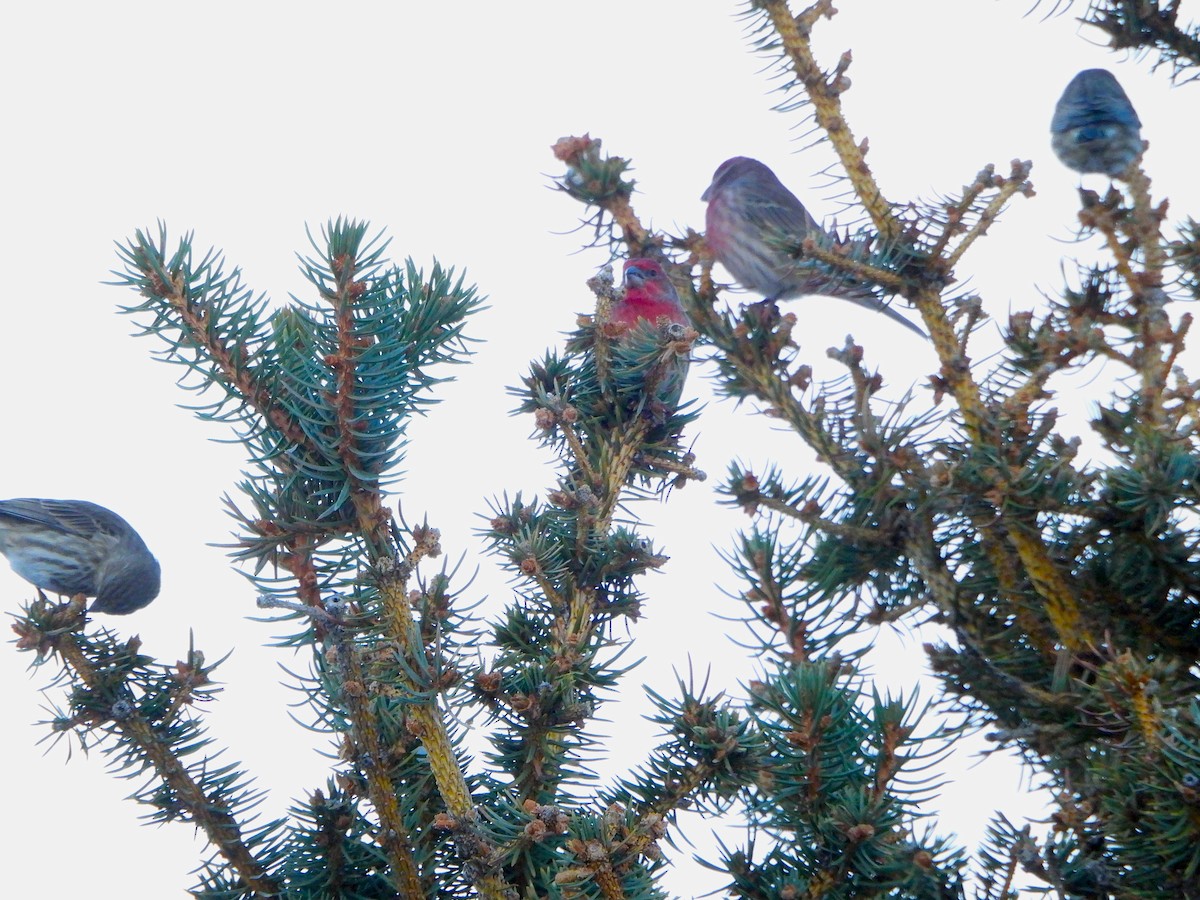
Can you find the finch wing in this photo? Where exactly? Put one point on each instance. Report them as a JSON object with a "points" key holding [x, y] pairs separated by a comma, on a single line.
{"points": [[787, 222], [77, 517]]}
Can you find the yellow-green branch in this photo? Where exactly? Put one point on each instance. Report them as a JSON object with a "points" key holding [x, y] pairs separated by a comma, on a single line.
{"points": [[392, 581], [827, 109]]}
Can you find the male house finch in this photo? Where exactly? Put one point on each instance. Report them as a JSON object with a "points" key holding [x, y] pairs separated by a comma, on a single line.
{"points": [[76, 547], [751, 218], [1095, 128], [649, 297]]}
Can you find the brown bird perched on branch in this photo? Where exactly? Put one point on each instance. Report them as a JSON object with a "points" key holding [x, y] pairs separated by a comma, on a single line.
{"points": [[75, 547], [751, 221]]}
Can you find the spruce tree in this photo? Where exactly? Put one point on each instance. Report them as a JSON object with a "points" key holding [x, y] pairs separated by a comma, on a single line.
{"points": [[1066, 583]]}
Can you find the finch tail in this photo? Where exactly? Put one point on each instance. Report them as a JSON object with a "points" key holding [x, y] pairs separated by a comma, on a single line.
{"points": [[870, 301]]}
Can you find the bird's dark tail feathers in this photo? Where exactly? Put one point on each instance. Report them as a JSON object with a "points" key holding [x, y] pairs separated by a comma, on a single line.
{"points": [[870, 301]]}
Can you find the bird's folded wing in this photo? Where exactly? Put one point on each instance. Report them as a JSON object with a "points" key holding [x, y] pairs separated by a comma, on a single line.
{"points": [[64, 517], [783, 220]]}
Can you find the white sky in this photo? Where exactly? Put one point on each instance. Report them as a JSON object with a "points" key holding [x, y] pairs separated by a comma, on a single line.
{"points": [[434, 121]]}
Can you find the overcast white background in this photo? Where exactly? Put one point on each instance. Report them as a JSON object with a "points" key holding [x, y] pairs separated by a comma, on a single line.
{"points": [[243, 122]]}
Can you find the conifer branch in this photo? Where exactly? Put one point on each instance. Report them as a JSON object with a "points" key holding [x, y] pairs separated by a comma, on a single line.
{"points": [[1006, 188], [186, 290], [634, 234], [341, 376], [1061, 604], [825, 93], [391, 578], [854, 268], [1143, 25], [209, 813], [1149, 297], [365, 734], [364, 492]]}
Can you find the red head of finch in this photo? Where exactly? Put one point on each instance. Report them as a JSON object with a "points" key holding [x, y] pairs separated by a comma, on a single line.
{"points": [[648, 295]]}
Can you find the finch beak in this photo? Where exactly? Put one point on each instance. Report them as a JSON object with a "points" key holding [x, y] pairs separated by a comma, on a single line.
{"points": [[707, 195], [634, 278]]}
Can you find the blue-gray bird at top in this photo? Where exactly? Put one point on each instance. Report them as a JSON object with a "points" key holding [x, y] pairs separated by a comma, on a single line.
{"points": [[75, 547], [1095, 128]]}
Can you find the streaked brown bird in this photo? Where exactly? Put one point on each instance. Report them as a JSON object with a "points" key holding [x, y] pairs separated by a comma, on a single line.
{"points": [[750, 221], [75, 547]]}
